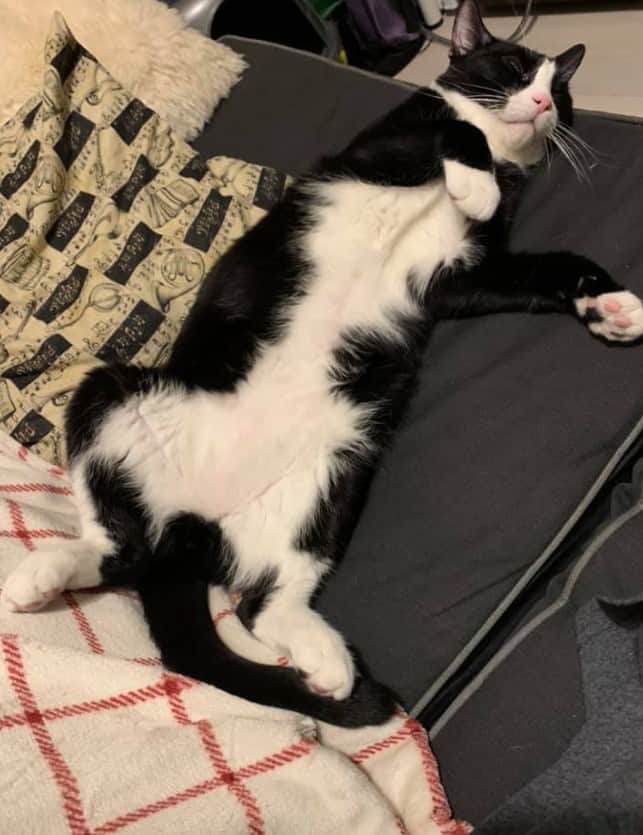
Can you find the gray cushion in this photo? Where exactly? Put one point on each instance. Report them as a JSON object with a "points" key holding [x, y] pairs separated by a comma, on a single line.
{"points": [[518, 717]]}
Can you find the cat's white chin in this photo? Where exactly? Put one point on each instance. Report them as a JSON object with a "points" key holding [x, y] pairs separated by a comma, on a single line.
{"points": [[520, 134]]}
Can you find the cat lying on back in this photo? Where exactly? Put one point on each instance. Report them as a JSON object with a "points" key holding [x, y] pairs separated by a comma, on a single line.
{"points": [[244, 460]]}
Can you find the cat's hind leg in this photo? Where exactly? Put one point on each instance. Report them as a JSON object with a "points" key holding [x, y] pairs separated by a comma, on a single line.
{"points": [[70, 564], [112, 547], [280, 617], [47, 572]]}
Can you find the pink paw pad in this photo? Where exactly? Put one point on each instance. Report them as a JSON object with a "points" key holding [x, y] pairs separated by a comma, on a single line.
{"points": [[612, 306], [622, 322]]}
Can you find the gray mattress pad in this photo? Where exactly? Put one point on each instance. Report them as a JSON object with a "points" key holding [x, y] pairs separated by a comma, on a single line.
{"points": [[558, 691], [518, 418]]}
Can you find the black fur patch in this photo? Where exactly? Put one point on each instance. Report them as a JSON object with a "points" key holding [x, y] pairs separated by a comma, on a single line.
{"points": [[255, 598], [237, 309], [121, 511], [99, 392]]}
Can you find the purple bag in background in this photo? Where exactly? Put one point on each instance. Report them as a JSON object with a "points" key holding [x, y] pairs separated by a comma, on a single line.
{"points": [[381, 35], [378, 24]]}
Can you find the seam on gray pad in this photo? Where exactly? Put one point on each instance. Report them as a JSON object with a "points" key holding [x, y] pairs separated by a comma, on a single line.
{"points": [[535, 566], [312, 56], [538, 620], [608, 116]]}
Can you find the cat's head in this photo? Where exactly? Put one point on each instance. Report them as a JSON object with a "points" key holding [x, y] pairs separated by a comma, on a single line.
{"points": [[522, 95]]}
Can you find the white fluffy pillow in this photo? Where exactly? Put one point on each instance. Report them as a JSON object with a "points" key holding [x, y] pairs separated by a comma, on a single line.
{"points": [[145, 45]]}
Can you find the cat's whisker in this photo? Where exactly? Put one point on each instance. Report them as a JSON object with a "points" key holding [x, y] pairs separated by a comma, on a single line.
{"points": [[568, 154], [548, 153], [584, 150], [582, 154], [570, 132], [567, 151], [471, 84], [486, 100]]}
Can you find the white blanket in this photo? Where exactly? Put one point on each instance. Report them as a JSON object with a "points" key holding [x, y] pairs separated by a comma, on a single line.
{"points": [[95, 737]]}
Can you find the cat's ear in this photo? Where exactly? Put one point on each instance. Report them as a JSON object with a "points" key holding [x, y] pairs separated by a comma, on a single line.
{"points": [[469, 32], [569, 61]]}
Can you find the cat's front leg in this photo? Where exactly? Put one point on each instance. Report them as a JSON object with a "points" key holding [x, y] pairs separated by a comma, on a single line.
{"points": [[548, 282], [469, 171]]}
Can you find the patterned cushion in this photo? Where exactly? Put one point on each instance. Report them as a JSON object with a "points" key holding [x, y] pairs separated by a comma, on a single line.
{"points": [[108, 224]]}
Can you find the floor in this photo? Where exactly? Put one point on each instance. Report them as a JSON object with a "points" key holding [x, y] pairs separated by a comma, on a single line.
{"points": [[611, 76]]}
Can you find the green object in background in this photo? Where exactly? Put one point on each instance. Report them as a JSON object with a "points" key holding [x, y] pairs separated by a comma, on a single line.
{"points": [[324, 8]]}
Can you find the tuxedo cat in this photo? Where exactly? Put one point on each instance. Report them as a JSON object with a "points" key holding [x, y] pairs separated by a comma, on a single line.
{"points": [[244, 460]]}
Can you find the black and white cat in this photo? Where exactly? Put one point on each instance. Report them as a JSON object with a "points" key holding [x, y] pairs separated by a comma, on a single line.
{"points": [[245, 460]]}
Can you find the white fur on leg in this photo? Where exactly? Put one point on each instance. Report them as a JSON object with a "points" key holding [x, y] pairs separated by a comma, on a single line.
{"points": [[315, 648], [474, 192], [43, 575], [621, 315]]}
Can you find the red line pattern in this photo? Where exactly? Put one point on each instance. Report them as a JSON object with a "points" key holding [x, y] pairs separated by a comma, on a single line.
{"points": [[36, 488], [83, 624], [394, 739], [62, 775], [27, 535], [147, 662], [20, 530], [441, 810], [224, 613], [121, 700], [169, 687]]}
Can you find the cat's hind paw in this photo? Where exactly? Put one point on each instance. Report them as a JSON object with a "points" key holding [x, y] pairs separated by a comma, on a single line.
{"points": [[616, 316], [36, 581]]}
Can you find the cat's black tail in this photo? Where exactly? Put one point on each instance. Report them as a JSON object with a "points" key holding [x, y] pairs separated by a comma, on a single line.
{"points": [[175, 602]]}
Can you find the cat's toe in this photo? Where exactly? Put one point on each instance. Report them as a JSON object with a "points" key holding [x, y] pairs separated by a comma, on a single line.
{"points": [[34, 583], [474, 192], [617, 316]]}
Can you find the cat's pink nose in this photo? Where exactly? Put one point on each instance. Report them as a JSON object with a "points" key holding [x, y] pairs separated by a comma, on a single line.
{"points": [[542, 101]]}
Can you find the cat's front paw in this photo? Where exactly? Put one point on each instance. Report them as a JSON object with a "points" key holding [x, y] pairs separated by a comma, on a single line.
{"points": [[615, 316], [474, 192]]}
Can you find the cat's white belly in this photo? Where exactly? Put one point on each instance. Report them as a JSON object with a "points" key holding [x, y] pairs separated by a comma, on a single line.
{"points": [[264, 450], [256, 460]]}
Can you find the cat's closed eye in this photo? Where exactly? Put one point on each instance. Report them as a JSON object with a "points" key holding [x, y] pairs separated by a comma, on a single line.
{"points": [[516, 67]]}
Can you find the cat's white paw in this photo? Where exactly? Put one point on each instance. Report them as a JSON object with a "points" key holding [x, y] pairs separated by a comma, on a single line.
{"points": [[326, 663], [37, 580], [315, 648], [621, 315], [474, 192]]}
